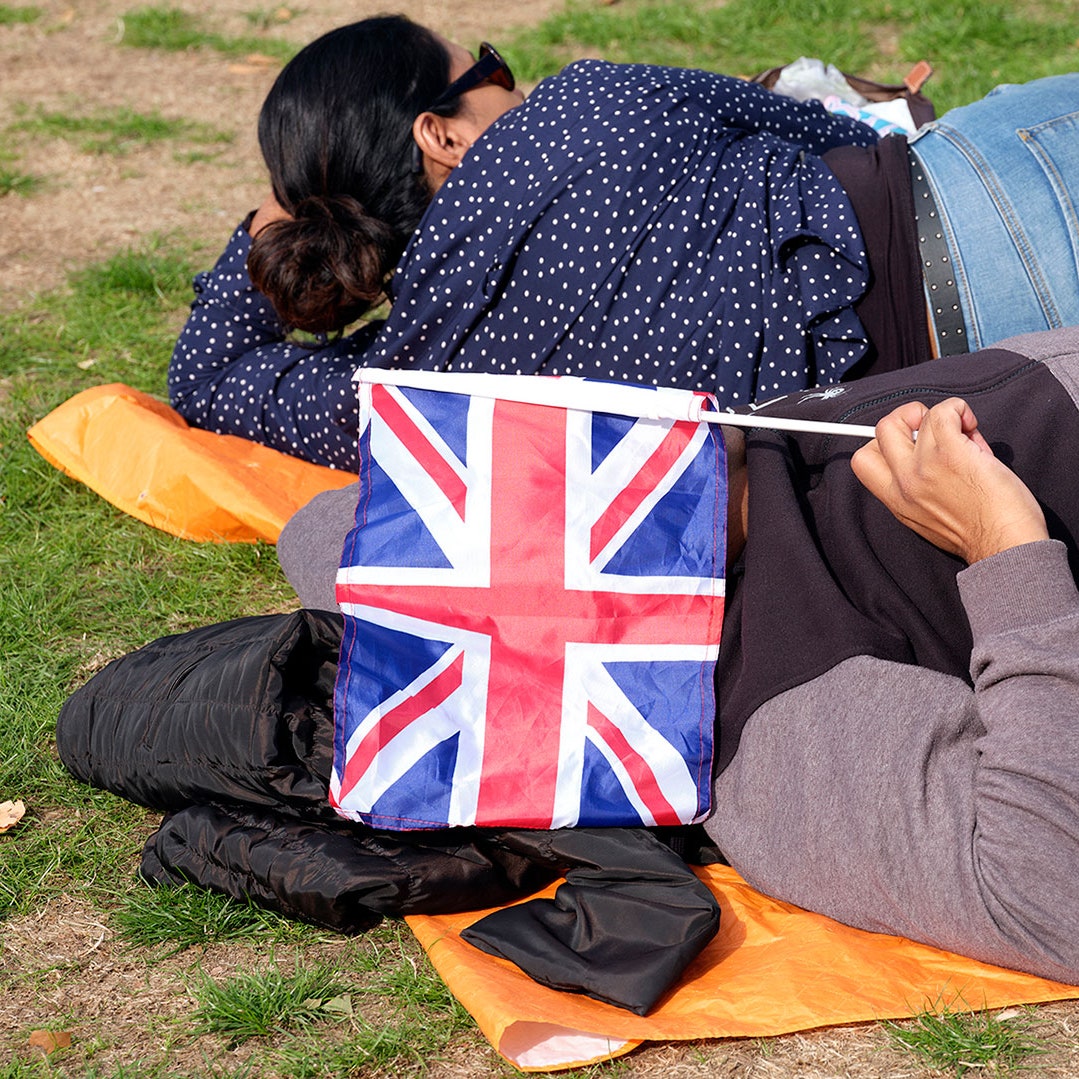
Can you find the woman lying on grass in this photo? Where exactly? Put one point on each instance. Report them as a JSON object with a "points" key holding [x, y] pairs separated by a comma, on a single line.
{"points": [[647, 224]]}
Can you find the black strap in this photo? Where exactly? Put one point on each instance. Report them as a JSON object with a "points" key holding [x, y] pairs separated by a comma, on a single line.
{"points": [[942, 294]]}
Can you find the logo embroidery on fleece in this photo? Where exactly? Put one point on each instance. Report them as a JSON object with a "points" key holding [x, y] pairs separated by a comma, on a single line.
{"points": [[824, 395]]}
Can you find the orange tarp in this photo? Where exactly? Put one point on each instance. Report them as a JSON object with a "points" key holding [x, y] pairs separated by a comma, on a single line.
{"points": [[143, 457], [772, 969]]}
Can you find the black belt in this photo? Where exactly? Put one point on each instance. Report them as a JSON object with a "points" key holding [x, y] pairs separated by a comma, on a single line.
{"points": [[942, 294]]}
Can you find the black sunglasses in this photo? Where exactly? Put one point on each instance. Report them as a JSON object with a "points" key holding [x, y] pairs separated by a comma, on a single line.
{"points": [[490, 67]]}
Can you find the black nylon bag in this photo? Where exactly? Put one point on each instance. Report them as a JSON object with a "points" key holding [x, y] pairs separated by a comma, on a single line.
{"points": [[229, 730]]}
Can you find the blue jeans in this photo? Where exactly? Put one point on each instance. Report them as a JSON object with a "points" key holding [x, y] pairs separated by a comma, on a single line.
{"points": [[1005, 175]]}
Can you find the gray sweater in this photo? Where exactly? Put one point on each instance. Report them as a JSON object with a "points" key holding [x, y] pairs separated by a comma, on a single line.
{"points": [[898, 799], [899, 731]]}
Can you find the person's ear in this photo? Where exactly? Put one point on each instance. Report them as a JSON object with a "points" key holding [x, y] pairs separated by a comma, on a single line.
{"points": [[443, 140]]}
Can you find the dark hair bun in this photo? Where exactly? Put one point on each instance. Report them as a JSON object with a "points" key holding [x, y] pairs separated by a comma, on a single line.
{"points": [[326, 266], [336, 134]]}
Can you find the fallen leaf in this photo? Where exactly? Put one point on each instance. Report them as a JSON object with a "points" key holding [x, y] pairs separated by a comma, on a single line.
{"points": [[10, 814], [341, 1005], [48, 1041]]}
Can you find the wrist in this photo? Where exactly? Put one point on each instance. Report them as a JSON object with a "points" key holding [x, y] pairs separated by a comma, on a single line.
{"points": [[1022, 586], [1004, 537]]}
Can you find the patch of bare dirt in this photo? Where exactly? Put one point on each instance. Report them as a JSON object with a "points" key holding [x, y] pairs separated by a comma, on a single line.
{"points": [[72, 60], [65, 970]]}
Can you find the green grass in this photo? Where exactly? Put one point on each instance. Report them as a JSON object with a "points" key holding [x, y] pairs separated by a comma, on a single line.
{"points": [[9, 16], [297, 1007], [18, 183], [119, 317], [972, 45], [80, 582], [177, 31], [25, 1069], [119, 131], [959, 1042], [392, 978], [266, 18], [13, 181], [400, 1046], [170, 919], [396, 976], [268, 1002], [39, 855]]}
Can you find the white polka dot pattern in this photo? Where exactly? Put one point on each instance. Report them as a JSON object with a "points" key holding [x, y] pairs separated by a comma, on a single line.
{"points": [[645, 224]]}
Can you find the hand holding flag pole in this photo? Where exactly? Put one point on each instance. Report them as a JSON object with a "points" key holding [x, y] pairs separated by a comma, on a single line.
{"points": [[533, 601]]}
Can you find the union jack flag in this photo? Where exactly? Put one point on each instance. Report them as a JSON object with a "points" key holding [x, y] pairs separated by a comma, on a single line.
{"points": [[533, 597]]}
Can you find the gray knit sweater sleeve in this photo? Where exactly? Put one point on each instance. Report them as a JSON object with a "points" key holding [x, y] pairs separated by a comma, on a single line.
{"points": [[899, 800]]}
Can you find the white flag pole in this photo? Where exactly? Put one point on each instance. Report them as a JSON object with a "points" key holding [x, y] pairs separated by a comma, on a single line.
{"points": [[568, 391], [778, 423]]}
